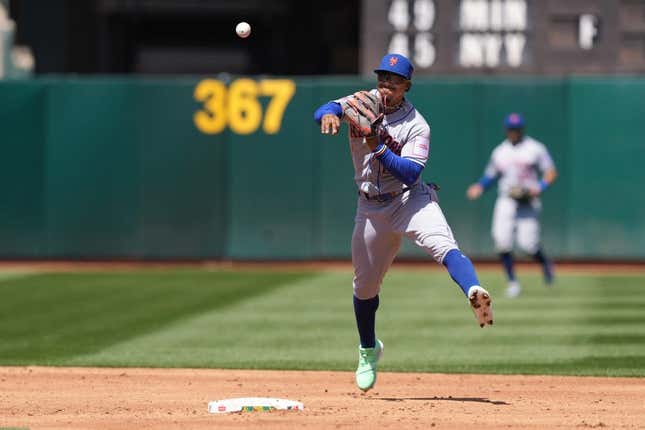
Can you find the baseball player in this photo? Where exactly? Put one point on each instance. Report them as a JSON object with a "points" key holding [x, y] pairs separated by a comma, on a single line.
{"points": [[516, 163], [393, 202]]}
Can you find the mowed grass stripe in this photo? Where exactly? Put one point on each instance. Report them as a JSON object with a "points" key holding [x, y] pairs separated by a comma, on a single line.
{"points": [[49, 318], [544, 331], [7, 274], [424, 320], [300, 326]]}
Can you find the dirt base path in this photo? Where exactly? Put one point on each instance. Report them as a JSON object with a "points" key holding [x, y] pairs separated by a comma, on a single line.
{"points": [[90, 398]]}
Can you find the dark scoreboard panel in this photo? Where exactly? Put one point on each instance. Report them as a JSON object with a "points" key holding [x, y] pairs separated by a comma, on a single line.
{"points": [[491, 37]]}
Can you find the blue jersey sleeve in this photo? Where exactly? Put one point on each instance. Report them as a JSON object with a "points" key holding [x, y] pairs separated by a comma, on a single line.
{"points": [[331, 107], [486, 181], [403, 169]]}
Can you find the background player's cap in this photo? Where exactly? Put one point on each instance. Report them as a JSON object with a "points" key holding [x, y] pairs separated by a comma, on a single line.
{"points": [[514, 120], [396, 63]]}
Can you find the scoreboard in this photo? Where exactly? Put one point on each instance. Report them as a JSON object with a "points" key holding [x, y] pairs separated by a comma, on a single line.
{"points": [[538, 37]]}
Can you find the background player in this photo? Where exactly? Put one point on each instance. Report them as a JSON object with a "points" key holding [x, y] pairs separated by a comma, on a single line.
{"points": [[393, 202], [516, 163]]}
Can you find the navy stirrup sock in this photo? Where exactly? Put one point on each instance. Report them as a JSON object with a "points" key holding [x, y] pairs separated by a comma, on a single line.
{"points": [[461, 269], [540, 257], [546, 265], [365, 311], [507, 262]]}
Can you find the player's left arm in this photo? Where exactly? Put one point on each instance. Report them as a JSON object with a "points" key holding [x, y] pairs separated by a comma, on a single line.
{"points": [[549, 172], [408, 166], [549, 176]]}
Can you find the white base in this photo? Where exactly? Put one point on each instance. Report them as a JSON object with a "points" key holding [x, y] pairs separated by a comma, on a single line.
{"points": [[252, 404]]}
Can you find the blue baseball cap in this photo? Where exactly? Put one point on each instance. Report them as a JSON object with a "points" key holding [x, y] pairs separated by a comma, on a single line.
{"points": [[396, 63], [514, 120]]}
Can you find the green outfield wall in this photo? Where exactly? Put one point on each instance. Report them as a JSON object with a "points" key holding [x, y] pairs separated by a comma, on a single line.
{"points": [[205, 168]]}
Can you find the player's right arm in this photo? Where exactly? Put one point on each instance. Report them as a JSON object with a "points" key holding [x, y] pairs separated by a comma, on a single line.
{"points": [[488, 178], [328, 116]]}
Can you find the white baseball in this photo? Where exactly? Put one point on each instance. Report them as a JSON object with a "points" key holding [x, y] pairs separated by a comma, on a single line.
{"points": [[243, 29]]}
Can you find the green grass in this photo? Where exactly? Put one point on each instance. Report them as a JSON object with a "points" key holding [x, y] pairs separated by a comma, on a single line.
{"points": [[587, 325], [50, 319]]}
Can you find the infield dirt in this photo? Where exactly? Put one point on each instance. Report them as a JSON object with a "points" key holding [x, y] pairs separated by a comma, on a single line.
{"points": [[109, 398]]}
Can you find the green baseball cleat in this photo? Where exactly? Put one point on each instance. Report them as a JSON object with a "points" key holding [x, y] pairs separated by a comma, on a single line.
{"points": [[366, 371]]}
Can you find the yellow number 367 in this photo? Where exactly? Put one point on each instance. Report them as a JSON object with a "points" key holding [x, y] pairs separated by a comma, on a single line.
{"points": [[239, 107]]}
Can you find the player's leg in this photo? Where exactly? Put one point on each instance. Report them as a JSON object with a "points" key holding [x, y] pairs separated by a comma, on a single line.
{"points": [[462, 271], [374, 247], [547, 266], [423, 222], [508, 262], [503, 228], [528, 239]]}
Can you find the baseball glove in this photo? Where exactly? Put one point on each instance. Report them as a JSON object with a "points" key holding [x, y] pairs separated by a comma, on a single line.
{"points": [[363, 111], [520, 194]]}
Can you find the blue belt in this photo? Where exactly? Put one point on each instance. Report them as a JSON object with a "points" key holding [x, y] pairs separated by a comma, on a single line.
{"points": [[385, 197]]}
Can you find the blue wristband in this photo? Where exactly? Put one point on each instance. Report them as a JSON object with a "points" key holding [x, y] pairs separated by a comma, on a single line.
{"points": [[331, 107], [380, 150], [486, 181], [543, 185]]}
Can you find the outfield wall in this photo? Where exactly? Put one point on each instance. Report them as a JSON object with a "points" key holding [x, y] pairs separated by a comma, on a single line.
{"points": [[133, 168]]}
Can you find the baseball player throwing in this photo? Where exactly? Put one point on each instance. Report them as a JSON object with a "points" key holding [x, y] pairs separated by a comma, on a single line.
{"points": [[516, 163], [389, 142]]}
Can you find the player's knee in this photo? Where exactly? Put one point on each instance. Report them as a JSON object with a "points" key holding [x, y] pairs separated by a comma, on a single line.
{"points": [[438, 246], [365, 289], [446, 254], [503, 246], [503, 242], [365, 293], [527, 247]]}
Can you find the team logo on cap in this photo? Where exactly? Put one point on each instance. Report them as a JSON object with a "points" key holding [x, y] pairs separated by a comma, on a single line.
{"points": [[393, 61], [514, 118]]}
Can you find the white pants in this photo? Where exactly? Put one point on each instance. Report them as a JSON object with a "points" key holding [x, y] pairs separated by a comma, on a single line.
{"points": [[513, 220], [378, 229]]}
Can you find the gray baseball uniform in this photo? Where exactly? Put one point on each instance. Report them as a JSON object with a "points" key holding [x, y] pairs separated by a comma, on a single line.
{"points": [[393, 201], [387, 209]]}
